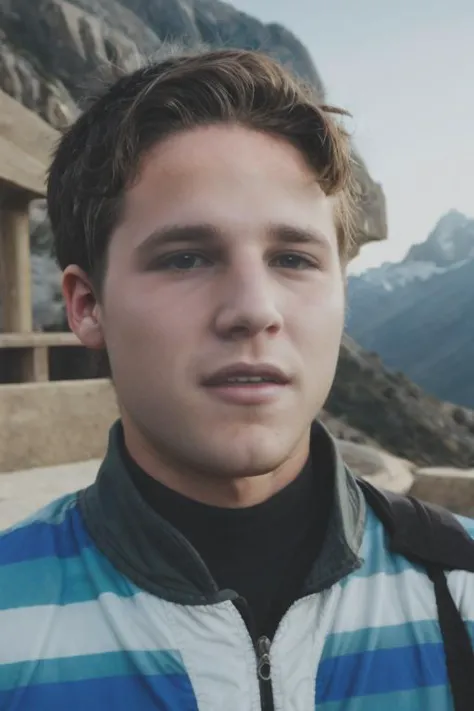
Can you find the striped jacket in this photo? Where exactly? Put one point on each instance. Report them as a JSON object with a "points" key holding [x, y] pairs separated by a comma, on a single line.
{"points": [[104, 606]]}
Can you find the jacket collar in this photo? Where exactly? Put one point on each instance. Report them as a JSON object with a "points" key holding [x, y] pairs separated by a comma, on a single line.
{"points": [[156, 557]]}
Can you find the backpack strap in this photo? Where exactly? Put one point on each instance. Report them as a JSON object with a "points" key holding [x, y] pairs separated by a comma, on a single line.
{"points": [[432, 537]]}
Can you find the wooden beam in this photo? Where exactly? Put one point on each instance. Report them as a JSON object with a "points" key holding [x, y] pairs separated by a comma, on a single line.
{"points": [[34, 367], [38, 340], [15, 269]]}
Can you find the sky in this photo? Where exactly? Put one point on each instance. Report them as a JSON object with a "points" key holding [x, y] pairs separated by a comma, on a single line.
{"points": [[405, 70]]}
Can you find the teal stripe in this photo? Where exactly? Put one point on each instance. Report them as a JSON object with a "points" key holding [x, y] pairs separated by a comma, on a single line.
{"points": [[434, 698], [376, 557], [61, 581], [389, 637], [467, 523], [93, 666]]}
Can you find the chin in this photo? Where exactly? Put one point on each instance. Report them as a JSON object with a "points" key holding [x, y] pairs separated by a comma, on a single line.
{"points": [[251, 452]]}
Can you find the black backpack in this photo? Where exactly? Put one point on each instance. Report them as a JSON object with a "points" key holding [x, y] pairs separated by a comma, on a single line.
{"points": [[432, 537]]}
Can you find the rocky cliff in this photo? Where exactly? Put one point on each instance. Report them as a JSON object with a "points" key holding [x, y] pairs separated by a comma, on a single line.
{"points": [[53, 53], [374, 404]]}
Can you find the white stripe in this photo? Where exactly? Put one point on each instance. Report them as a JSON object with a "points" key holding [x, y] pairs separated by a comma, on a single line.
{"points": [[218, 655], [297, 648], [461, 586], [384, 600], [381, 600], [108, 624]]}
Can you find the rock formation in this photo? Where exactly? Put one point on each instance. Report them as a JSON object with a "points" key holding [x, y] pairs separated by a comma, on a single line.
{"points": [[54, 53]]}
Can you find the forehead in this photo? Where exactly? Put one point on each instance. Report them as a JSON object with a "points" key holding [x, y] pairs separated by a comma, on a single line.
{"points": [[228, 175], [228, 147]]}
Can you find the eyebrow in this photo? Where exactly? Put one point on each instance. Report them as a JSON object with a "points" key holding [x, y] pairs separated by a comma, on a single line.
{"points": [[207, 234], [289, 234]]}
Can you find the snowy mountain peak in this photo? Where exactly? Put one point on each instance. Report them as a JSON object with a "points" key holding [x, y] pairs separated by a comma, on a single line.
{"points": [[451, 242], [448, 246], [391, 276]]}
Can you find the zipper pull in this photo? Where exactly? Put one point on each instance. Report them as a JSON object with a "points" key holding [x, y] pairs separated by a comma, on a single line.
{"points": [[263, 652]]}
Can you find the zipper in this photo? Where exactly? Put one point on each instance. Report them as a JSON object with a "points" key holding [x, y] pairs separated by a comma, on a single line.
{"points": [[262, 647], [264, 673], [263, 656]]}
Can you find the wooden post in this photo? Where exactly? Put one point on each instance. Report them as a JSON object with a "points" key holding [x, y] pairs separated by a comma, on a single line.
{"points": [[15, 269], [15, 285], [34, 365]]}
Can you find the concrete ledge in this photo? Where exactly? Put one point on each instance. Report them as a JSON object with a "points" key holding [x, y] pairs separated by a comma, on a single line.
{"points": [[377, 467], [448, 487], [23, 493], [44, 424]]}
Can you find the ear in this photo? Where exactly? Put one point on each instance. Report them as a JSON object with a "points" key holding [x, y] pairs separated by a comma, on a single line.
{"points": [[84, 313]]}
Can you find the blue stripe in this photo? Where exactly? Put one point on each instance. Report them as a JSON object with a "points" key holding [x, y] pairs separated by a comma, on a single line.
{"points": [[388, 637], [381, 672], [428, 699], [143, 693], [91, 666], [62, 581], [41, 539]]}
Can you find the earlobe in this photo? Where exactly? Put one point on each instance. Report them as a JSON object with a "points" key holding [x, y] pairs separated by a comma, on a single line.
{"points": [[84, 313]]}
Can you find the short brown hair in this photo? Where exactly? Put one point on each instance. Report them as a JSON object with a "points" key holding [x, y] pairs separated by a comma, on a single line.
{"points": [[99, 155]]}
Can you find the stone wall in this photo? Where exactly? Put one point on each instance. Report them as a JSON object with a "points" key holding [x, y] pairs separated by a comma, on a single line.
{"points": [[43, 424]]}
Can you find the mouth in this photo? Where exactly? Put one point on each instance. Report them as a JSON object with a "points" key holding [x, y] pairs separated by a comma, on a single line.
{"points": [[248, 384]]}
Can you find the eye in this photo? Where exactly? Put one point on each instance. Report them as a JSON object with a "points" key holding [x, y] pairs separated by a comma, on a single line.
{"points": [[183, 262], [290, 260]]}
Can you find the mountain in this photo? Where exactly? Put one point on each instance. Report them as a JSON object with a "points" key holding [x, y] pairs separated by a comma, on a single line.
{"points": [[418, 314]]}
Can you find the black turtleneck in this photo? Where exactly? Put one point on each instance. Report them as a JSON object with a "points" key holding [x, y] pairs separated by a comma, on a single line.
{"points": [[262, 552]]}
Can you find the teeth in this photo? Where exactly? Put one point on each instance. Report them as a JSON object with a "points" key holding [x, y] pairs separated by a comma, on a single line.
{"points": [[249, 379]]}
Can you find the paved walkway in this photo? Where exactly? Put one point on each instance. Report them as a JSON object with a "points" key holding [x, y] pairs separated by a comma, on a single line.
{"points": [[23, 492]]}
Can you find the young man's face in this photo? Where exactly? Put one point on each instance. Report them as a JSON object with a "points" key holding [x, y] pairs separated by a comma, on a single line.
{"points": [[226, 257]]}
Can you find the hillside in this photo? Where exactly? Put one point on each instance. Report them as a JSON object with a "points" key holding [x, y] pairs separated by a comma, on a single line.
{"points": [[388, 408], [418, 314]]}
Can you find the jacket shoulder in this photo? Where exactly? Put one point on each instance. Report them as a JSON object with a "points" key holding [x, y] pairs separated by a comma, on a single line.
{"points": [[467, 524], [46, 533]]}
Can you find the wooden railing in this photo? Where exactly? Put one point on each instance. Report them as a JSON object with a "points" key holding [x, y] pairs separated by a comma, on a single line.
{"points": [[28, 353]]}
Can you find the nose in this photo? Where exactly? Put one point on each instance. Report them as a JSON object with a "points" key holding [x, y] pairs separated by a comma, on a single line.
{"points": [[247, 302]]}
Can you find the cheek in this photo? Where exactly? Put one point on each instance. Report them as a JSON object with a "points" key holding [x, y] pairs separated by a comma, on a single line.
{"points": [[316, 327], [151, 326], [320, 306]]}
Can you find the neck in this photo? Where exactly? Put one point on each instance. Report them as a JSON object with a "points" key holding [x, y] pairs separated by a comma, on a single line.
{"points": [[209, 488]]}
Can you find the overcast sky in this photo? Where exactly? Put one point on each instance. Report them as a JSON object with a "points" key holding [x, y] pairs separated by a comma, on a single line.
{"points": [[405, 70]]}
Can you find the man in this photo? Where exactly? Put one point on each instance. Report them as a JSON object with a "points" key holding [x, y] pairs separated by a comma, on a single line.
{"points": [[224, 559]]}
